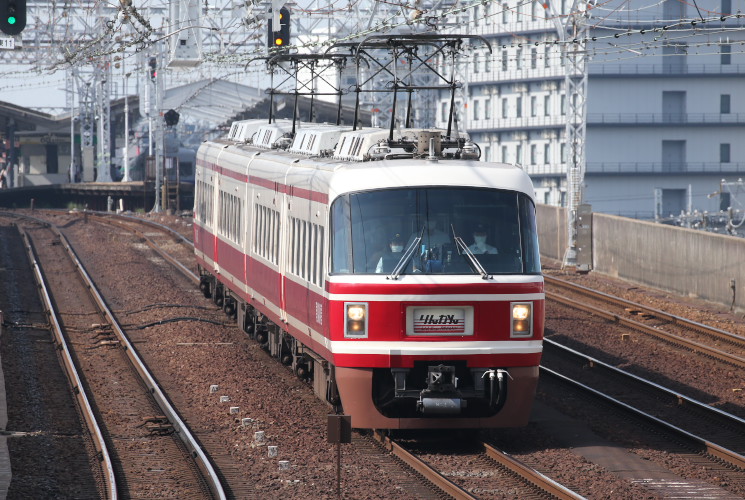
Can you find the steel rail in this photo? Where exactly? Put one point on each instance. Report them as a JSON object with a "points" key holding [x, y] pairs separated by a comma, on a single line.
{"points": [[671, 318], [674, 395], [154, 224], [174, 419], [168, 257], [444, 484], [715, 450], [656, 332], [540, 481], [94, 429]]}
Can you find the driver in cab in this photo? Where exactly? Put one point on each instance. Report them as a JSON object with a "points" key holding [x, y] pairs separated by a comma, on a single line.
{"points": [[480, 246], [391, 256]]}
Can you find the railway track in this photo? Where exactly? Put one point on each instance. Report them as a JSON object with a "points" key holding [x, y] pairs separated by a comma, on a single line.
{"points": [[152, 449], [184, 243], [707, 429], [670, 328], [487, 472], [509, 470]]}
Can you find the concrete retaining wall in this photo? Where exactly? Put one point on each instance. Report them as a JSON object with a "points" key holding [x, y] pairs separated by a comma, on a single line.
{"points": [[552, 230], [684, 261]]}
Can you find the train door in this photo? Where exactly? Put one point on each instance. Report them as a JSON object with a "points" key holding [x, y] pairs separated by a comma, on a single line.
{"points": [[319, 209], [295, 276], [215, 217], [248, 214], [284, 199]]}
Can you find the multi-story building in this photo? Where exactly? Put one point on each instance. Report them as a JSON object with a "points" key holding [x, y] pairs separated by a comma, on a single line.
{"points": [[664, 120]]}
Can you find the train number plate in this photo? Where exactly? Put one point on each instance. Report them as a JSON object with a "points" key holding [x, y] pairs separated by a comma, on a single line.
{"points": [[439, 321]]}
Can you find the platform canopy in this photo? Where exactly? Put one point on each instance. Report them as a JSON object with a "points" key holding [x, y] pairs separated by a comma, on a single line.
{"points": [[212, 101]]}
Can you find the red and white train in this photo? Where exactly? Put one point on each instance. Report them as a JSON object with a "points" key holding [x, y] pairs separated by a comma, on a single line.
{"points": [[292, 237]]}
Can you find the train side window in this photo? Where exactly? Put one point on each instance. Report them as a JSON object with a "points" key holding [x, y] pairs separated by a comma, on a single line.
{"points": [[341, 236], [529, 236], [319, 256]]}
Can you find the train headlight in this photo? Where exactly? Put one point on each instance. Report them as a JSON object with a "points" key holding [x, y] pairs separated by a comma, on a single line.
{"points": [[522, 319], [355, 324]]}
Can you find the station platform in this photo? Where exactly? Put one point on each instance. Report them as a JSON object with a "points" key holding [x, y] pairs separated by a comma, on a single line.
{"points": [[132, 196]]}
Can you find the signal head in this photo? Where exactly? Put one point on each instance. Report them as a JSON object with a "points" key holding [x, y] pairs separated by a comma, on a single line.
{"points": [[12, 16]]}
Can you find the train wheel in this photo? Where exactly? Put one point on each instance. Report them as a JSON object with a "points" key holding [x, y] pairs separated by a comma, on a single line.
{"points": [[229, 308], [204, 286], [301, 370], [262, 336]]}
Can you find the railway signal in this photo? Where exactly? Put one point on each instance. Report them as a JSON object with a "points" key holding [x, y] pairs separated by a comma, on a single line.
{"points": [[12, 16], [153, 63], [280, 38], [171, 117]]}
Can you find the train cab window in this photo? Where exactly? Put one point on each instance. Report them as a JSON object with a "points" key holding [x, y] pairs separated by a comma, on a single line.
{"points": [[431, 226]]}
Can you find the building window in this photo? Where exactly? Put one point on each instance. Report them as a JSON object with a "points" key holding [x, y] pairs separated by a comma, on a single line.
{"points": [[519, 153], [476, 16], [726, 54], [487, 62], [546, 56], [563, 104], [487, 109], [476, 110], [505, 14], [519, 58], [444, 111], [533, 105], [726, 7], [547, 153], [533, 154], [546, 105], [724, 153], [533, 58], [504, 108], [519, 107], [475, 63], [505, 60], [504, 154], [487, 153], [724, 104], [563, 152]]}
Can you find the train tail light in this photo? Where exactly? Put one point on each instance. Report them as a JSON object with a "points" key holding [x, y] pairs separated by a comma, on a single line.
{"points": [[355, 324], [522, 319]]}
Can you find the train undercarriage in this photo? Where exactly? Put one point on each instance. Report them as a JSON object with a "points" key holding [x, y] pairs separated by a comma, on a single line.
{"points": [[304, 363], [430, 391]]}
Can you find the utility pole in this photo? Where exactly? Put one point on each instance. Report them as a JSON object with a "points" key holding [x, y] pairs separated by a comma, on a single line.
{"points": [[155, 75], [103, 119], [572, 30]]}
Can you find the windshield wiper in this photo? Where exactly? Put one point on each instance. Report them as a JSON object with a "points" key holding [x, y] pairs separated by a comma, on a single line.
{"points": [[471, 257], [406, 257]]}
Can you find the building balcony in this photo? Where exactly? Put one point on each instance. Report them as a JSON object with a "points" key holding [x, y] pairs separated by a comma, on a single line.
{"points": [[599, 69], [546, 169], [512, 124], [527, 74], [647, 168], [675, 119]]}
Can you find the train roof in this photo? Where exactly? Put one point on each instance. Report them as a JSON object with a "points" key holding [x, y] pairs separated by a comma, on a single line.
{"points": [[366, 159]]}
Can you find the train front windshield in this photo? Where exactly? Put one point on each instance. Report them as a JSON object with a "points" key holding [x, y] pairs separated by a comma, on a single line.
{"points": [[434, 231]]}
